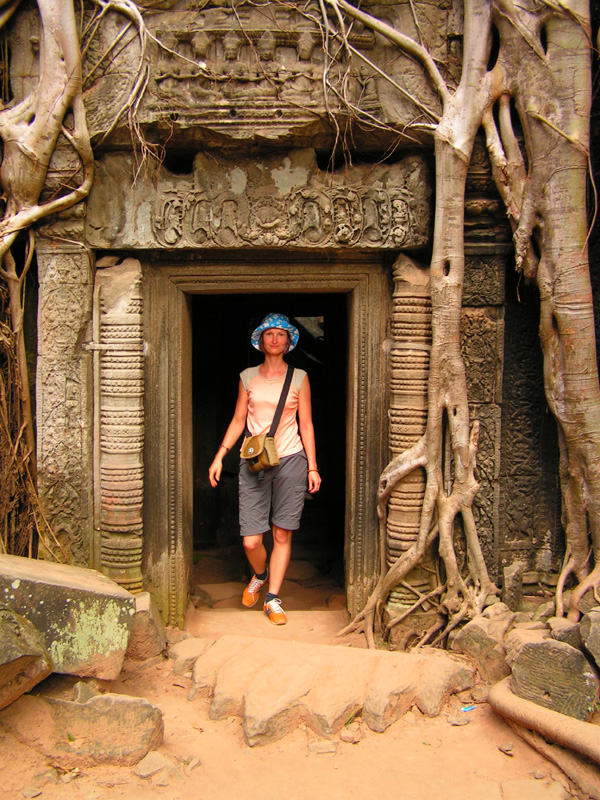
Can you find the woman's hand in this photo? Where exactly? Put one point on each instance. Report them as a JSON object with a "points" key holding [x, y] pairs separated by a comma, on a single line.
{"points": [[214, 471], [314, 481]]}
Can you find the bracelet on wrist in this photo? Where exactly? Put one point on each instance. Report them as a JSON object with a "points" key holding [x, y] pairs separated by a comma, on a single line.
{"points": [[225, 447], [313, 470]]}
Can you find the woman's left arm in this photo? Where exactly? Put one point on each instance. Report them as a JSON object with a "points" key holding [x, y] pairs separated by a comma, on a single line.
{"points": [[307, 434]]}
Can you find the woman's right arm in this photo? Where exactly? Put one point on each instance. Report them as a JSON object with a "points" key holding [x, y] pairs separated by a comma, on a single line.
{"points": [[232, 434]]}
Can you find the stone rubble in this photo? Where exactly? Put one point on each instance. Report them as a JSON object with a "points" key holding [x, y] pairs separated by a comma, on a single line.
{"points": [[148, 636], [24, 661], [92, 729]]}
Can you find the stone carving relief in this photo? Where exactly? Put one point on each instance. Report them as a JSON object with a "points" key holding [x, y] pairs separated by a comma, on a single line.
{"points": [[120, 436], [530, 505], [482, 333], [63, 403], [254, 71], [270, 202]]}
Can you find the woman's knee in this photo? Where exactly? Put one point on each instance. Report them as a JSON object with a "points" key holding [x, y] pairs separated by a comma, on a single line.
{"points": [[281, 535], [252, 543]]}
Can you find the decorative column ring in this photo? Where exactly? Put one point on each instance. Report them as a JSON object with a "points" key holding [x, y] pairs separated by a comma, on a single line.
{"points": [[120, 430]]}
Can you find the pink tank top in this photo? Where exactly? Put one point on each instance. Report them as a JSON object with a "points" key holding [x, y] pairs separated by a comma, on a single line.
{"points": [[263, 396]]}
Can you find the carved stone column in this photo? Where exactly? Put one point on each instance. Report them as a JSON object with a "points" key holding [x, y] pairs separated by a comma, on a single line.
{"points": [[63, 393], [119, 436], [409, 369]]}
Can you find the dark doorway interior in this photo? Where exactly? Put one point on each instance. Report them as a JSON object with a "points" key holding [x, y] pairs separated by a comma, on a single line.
{"points": [[221, 327]]}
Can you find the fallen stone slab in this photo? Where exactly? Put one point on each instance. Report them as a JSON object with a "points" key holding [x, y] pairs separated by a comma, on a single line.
{"points": [[148, 635], [334, 700], [206, 668], [233, 677], [391, 692], [84, 618], [272, 702], [24, 661], [186, 652], [106, 729], [442, 674], [276, 685], [556, 676]]}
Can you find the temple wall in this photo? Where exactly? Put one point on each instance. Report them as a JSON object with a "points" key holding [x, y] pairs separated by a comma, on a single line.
{"points": [[246, 177]]}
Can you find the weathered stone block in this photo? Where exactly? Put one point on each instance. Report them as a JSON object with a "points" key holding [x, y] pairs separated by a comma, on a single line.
{"points": [[563, 630], [482, 640], [107, 728], [148, 635], [589, 628], [23, 658], [557, 676], [518, 638], [545, 611], [512, 588], [442, 674], [391, 693], [84, 617], [273, 709], [339, 693]]}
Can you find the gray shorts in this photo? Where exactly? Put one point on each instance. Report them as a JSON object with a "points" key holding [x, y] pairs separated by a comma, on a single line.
{"points": [[281, 489]]}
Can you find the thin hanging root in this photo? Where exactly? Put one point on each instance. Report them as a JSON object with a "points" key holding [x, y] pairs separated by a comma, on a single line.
{"points": [[429, 633], [400, 617], [568, 567]]}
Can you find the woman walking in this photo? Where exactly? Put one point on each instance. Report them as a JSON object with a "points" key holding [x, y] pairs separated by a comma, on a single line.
{"points": [[276, 494]]}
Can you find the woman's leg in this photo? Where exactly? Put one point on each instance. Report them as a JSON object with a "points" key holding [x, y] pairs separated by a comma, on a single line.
{"points": [[280, 558], [255, 552]]}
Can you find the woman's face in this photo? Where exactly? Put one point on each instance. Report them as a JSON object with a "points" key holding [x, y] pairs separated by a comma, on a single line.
{"points": [[275, 341]]}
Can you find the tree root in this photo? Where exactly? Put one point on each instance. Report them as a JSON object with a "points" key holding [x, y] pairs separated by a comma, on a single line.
{"points": [[575, 767], [583, 737]]}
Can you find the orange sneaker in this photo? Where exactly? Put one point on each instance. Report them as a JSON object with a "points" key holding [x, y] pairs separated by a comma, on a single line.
{"points": [[250, 596], [275, 612]]}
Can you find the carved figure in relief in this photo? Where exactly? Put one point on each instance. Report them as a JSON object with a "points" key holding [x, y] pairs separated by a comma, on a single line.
{"points": [[304, 79], [368, 94], [231, 71], [400, 221], [201, 42], [171, 221], [168, 70], [196, 219], [268, 71], [376, 217]]}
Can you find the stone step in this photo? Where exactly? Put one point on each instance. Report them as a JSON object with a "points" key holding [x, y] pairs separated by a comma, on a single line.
{"points": [[275, 685]]}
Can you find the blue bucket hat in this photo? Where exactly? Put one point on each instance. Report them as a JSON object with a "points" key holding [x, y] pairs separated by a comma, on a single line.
{"points": [[275, 321]]}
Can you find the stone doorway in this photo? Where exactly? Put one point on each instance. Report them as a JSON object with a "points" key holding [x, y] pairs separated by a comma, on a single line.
{"points": [[353, 289], [220, 350]]}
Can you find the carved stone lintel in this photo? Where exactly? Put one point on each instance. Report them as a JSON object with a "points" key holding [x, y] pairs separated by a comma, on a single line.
{"points": [[276, 201], [120, 438]]}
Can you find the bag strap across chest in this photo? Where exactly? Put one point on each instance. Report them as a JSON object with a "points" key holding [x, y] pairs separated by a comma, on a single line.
{"points": [[280, 405]]}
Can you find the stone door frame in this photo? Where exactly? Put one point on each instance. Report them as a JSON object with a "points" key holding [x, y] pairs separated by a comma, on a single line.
{"points": [[168, 285]]}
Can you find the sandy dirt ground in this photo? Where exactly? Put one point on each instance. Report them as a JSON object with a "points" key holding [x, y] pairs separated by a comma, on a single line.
{"points": [[416, 757]]}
